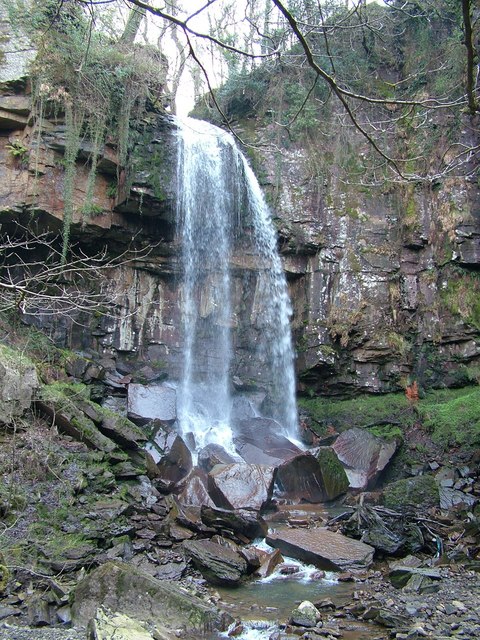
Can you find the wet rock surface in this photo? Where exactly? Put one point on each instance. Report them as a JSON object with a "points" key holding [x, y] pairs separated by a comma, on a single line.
{"points": [[324, 548]]}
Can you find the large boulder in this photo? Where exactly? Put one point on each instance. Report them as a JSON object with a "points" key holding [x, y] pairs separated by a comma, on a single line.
{"points": [[213, 454], [18, 383], [335, 479], [241, 486], [259, 441], [218, 564], [243, 524], [312, 478], [195, 491], [323, 548], [152, 402], [363, 455], [171, 458], [123, 588]]}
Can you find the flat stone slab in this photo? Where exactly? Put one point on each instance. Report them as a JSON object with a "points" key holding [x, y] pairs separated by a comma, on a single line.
{"points": [[323, 548], [150, 402]]}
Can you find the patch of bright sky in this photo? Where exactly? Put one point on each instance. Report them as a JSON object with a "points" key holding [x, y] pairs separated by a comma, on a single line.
{"points": [[233, 17]]}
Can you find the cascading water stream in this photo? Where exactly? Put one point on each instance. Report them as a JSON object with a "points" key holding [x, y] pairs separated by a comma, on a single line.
{"points": [[219, 202]]}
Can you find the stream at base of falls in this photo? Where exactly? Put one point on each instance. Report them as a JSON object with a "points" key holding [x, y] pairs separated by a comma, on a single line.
{"points": [[264, 605]]}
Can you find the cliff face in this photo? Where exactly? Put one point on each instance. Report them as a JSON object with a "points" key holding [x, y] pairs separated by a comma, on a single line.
{"points": [[383, 279]]}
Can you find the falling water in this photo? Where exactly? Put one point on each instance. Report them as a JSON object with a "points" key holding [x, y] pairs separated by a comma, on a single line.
{"points": [[218, 198]]}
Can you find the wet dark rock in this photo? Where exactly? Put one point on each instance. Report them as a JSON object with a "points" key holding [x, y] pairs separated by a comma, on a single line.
{"points": [[312, 478], [252, 556], [156, 401], [323, 548], [269, 563], [212, 455], [6, 611], [172, 458], [241, 486], [259, 441], [122, 587], [218, 564], [38, 612], [363, 455], [247, 524]]}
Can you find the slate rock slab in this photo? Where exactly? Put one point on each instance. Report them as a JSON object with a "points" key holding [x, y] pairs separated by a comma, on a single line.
{"points": [[363, 455], [218, 564], [241, 486], [323, 548], [150, 402]]}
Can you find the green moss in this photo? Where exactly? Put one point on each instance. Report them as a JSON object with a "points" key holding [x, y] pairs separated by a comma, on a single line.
{"points": [[387, 431], [421, 491], [456, 419], [333, 474], [461, 296], [360, 411]]}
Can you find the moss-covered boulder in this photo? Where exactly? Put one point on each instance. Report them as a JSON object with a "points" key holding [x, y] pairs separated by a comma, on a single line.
{"points": [[124, 588], [420, 491], [335, 479], [18, 383], [62, 410]]}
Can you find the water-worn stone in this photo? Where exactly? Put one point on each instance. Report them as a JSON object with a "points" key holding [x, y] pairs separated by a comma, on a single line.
{"points": [[323, 548], [124, 588], [241, 486], [363, 455], [269, 563], [259, 441], [195, 492], [212, 455], [156, 401], [217, 563], [305, 615]]}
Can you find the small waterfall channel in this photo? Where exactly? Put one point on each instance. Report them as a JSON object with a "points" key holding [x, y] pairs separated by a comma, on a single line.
{"points": [[221, 211]]}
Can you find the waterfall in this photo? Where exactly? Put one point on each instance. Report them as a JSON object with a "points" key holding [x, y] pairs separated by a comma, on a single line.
{"points": [[220, 206]]}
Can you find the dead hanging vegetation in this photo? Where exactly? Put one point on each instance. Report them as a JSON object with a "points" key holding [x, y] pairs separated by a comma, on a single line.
{"points": [[92, 79]]}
